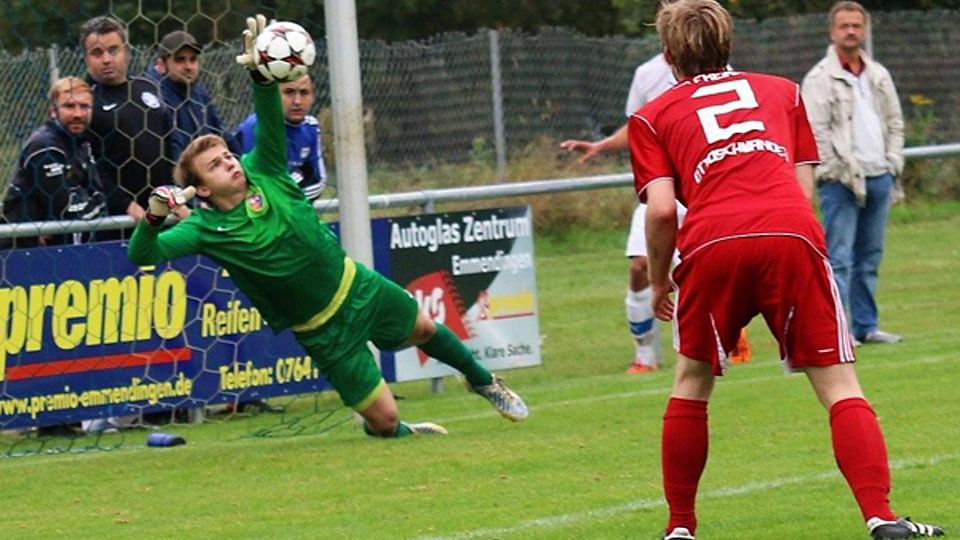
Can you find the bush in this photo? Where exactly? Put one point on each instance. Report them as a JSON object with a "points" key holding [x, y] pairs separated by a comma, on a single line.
{"points": [[540, 160]]}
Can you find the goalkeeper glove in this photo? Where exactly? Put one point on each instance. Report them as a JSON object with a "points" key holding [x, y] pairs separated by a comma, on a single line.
{"points": [[248, 58], [165, 198]]}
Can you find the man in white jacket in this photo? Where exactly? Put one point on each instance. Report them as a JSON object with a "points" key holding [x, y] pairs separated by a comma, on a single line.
{"points": [[856, 118]]}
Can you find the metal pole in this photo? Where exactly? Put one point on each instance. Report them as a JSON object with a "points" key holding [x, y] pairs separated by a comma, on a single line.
{"points": [[346, 101], [54, 64], [496, 83], [347, 104]]}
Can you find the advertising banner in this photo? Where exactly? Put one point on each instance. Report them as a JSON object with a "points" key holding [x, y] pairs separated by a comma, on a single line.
{"points": [[472, 271], [84, 333]]}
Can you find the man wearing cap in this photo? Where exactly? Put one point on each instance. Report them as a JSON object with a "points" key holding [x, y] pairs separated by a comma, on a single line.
{"points": [[176, 70]]}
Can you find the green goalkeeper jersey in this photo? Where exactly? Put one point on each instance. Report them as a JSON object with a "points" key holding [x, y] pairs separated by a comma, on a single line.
{"points": [[276, 249]]}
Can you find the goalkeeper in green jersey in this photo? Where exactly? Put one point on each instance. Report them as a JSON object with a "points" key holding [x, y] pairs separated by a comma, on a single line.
{"points": [[259, 226]]}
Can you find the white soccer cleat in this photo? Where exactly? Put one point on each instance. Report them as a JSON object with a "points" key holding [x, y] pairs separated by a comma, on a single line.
{"points": [[503, 399], [678, 533], [425, 428]]}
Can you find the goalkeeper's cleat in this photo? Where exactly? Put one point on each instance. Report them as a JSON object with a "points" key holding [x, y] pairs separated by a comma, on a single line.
{"points": [[425, 428], [678, 533], [503, 399], [741, 354], [901, 528]]}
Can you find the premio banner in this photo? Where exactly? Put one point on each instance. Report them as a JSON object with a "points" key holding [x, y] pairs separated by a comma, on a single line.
{"points": [[84, 333]]}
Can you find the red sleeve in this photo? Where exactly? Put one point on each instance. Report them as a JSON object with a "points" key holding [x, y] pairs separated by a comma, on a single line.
{"points": [[805, 145], [650, 161]]}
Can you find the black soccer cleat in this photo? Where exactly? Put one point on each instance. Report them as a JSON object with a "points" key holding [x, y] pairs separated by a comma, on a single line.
{"points": [[901, 528]]}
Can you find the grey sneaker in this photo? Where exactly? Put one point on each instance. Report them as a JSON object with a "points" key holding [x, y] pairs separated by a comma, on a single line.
{"points": [[901, 528], [678, 533], [879, 336], [425, 428], [503, 399]]}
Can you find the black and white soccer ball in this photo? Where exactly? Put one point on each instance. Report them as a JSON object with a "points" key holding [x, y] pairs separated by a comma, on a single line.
{"points": [[284, 51]]}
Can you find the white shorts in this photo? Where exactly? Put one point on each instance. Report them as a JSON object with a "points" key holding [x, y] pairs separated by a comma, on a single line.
{"points": [[637, 241]]}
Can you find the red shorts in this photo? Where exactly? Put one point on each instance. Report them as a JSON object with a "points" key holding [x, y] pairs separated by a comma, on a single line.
{"points": [[721, 287]]}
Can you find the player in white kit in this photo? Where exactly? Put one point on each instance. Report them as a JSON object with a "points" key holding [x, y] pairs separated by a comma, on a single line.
{"points": [[650, 79]]}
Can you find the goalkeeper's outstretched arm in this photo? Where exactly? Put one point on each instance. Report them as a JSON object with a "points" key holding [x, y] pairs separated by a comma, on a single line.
{"points": [[269, 154]]}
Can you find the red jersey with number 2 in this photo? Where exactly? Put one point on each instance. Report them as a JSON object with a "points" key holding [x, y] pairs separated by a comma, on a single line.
{"points": [[729, 141]]}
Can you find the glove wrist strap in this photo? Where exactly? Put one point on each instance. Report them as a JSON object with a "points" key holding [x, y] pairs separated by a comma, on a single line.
{"points": [[259, 78], [154, 221]]}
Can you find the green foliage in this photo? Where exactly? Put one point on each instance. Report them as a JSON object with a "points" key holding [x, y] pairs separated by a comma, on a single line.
{"points": [[927, 178], [541, 159], [26, 24], [584, 466], [926, 181]]}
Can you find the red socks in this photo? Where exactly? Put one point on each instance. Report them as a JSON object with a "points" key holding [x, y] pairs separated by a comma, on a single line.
{"points": [[857, 444], [862, 456], [684, 454]]}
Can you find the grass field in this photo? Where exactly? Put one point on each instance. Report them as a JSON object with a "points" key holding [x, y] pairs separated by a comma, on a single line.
{"points": [[584, 466]]}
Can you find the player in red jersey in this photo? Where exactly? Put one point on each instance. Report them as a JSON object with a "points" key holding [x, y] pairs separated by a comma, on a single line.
{"points": [[737, 150]]}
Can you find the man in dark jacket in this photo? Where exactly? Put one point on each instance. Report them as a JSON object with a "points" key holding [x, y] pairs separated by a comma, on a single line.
{"points": [[177, 70], [131, 128], [56, 175]]}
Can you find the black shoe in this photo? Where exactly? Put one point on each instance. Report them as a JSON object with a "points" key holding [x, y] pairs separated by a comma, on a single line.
{"points": [[59, 430], [901, 528], [261, 405]]}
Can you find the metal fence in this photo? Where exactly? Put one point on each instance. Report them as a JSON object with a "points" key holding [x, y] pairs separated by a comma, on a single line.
{"points": [[425, 199], [433, 101]]}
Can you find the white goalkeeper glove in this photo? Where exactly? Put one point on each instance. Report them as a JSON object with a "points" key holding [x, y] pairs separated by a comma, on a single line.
{"points": [[248, 58], [163, 199]]}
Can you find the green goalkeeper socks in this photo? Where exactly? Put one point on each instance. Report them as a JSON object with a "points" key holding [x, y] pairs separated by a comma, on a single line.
{"points": [[402, 431], [446, 347]]}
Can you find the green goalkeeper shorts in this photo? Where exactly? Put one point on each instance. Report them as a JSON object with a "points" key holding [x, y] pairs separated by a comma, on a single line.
{"points": [[376, 310]]}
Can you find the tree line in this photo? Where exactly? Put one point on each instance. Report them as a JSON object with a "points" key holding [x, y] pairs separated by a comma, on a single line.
{"points": [[28, 24]]}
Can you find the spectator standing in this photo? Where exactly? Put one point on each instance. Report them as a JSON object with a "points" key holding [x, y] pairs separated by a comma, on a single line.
{"points": [[130, 125], [738, 151], [56, 179], [856, 118], [176, 71], [304, 152], [56, 176]]}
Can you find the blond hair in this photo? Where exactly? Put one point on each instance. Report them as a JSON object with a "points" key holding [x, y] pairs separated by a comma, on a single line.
{"points": [[697, 34], [68, 85], [185, 174]]}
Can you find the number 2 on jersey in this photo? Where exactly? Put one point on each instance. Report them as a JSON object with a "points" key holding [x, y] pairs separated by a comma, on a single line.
{"points": [[708, 115]]}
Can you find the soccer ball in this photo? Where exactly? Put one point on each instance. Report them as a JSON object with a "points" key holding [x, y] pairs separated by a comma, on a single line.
{"points": [[284, 51]]}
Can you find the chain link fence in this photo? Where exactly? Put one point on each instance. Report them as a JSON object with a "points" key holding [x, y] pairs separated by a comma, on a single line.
{"points": [[431, 101]]}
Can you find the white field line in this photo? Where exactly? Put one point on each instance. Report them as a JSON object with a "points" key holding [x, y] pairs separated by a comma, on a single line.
{"points": [[645, 504], [32, 461], [665, 390]]}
